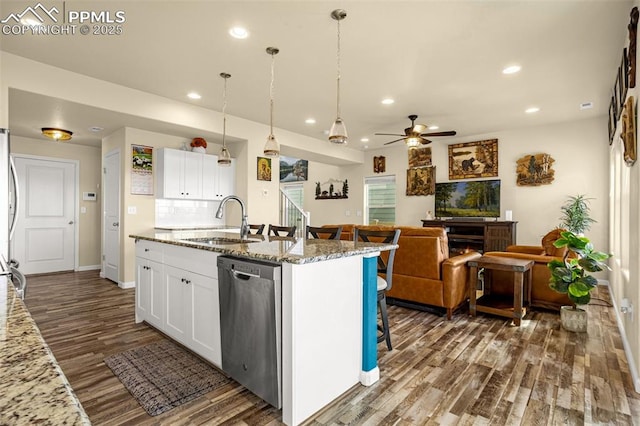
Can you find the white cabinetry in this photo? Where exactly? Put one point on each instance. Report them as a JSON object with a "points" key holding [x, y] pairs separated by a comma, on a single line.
{"points": [[217, 181], [179, 295], [149, 283], [179, 174], [193, 176]]}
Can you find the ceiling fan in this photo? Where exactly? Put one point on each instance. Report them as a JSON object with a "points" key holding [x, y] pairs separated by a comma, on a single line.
{"points": [[413, 135]]}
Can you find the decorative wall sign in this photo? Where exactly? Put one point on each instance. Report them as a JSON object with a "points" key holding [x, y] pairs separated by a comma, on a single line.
{"points": [[473, 159], [264, 168], [379, 164], [624, 76], [628, 132], [633, 34], [535, 170], [141, 170], [293, 169], [613, 123], [617, 91], [419, 157], [421, 181], [332, 189]]}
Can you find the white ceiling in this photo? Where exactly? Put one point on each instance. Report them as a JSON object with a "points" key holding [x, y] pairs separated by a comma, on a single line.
{"points": [[441, 60]]}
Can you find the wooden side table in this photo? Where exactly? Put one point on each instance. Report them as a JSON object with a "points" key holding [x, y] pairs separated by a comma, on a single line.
{"points": [[515, 308]]}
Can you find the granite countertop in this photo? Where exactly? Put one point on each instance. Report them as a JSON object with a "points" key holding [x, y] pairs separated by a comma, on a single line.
{"points": [[274, 249], [33, 388]]}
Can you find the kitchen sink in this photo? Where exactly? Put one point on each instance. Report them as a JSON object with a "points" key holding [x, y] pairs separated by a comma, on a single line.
{"points": [[216, 241]]}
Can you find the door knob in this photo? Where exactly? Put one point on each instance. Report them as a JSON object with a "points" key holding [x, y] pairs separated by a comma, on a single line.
{"points": [[116, 224], [70, 222]]}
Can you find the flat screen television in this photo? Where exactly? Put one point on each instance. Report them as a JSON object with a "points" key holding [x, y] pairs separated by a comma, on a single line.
{"points": [[468, 199]]}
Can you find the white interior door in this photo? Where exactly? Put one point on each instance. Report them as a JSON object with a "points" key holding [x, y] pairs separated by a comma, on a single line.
{"points": [[45, 234], [111, 253]]}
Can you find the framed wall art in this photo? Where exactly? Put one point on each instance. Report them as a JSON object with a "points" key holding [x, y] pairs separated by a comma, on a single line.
{"points": [[628, 132], [141, 170], [379, 164], [264, 168], [421, 181], [293, 169], [633, 35], [613, 123], [419, 157], [473, 159], [535, 170]]}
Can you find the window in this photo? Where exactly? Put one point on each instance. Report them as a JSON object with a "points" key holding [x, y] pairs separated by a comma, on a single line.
{"points": [[380, 200]]}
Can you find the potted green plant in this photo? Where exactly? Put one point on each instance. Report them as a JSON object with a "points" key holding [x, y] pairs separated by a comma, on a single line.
{"points": [[571, 276], [576, 214]]}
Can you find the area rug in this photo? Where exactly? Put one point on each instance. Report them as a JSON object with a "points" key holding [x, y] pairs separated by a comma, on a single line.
{"points": [[163, 375]]}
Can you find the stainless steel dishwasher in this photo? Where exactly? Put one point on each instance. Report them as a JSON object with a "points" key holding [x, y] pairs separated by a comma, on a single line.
{"points": [[250, 325]]}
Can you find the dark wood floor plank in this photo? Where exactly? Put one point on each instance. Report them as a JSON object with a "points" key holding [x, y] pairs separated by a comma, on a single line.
{"points": [[467, 371]]}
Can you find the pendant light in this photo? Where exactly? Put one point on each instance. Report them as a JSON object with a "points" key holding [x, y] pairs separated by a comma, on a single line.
{"points": [[338, 132], [224, 159], [271, 148]]}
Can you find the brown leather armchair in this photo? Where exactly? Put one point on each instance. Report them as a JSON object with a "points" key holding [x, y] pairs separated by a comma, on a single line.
{"points": [[542, 296], [423, 274]]}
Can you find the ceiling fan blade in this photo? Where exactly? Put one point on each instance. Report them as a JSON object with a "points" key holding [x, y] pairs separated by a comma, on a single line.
{"points": [[387, 134], [397, 140], [447, 133], [425, 141]]}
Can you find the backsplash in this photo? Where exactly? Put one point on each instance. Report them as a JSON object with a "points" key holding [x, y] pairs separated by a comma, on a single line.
{"points": [[186, 213]]}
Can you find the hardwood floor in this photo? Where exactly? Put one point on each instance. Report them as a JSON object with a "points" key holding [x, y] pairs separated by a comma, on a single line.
{"points": [[465, 371]]}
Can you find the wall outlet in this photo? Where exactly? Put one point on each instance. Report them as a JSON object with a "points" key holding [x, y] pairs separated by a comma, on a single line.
{"points": [[347, 212], [359, 213], [132, 210]]}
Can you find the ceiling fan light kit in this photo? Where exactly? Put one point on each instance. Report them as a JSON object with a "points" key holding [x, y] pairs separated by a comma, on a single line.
{"points": [[56, 134], [338, 132], [224, 159], [272, 147]]}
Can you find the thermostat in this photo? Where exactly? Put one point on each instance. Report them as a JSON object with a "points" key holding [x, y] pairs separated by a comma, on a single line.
{"points": [[89, 196]]}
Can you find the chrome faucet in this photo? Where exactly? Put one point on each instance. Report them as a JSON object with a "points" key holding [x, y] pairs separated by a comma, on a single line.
{"points": [[244, 227]]}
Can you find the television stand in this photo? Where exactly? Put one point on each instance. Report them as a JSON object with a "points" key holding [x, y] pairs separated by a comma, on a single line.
{"points": [[482, 236]]}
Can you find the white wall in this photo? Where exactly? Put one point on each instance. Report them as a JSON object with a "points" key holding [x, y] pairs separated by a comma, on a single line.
{"points": [[580, 151], [624, 234]]}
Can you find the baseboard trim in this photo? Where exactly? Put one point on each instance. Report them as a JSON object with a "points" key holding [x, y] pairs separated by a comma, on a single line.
{"points": [[367, 378], [127, 284], [88, 268], [627, 348]]}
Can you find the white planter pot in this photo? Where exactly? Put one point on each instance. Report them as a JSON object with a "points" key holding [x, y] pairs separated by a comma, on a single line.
{"points": [[573, 319], [199, 149]]}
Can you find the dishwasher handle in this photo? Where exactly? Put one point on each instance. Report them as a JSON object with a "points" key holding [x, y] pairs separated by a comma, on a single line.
{"points": [[245, 276]]}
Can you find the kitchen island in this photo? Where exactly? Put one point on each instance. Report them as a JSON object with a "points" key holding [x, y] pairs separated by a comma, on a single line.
{"points": [[328, 306], [33, 388]]}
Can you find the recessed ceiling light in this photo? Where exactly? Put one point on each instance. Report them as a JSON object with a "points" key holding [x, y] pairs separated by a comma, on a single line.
{"points": [[512, 69], [239, 32], [193, 95], [532, 110], [586, 105], [364, 140], [433, 127], [387, 101], [310, 121], [96, 129]]}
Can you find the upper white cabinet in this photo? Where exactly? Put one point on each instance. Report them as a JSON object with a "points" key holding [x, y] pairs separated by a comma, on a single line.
{"points": [[179, 174], [192, 176], [217, 181]]}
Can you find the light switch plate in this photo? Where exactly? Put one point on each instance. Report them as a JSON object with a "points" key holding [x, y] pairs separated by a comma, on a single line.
{"points": [[132, 210]]}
